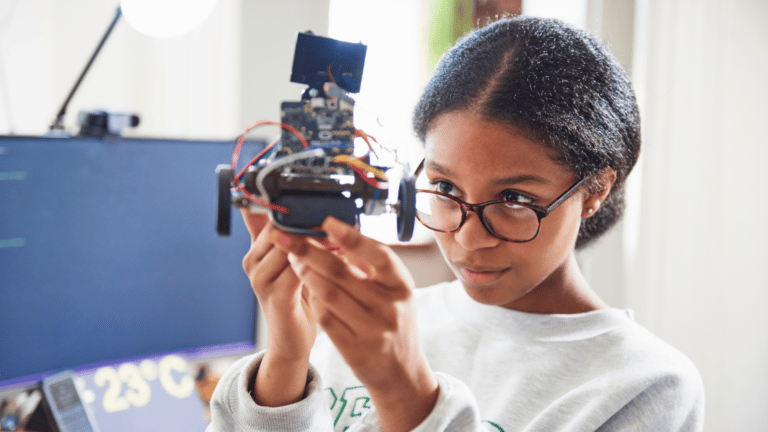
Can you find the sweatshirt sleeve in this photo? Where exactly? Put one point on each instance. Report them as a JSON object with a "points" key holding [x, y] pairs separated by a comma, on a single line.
{"points": [[233, 408], [670, 403], [455, 411]]}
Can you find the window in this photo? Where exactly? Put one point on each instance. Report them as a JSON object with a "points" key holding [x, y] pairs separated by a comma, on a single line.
{"points": [[393, 78]]}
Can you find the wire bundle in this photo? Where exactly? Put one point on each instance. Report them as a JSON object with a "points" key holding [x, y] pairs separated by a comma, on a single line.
{"points": [[237, 185], [367, 172], [371, 175]]}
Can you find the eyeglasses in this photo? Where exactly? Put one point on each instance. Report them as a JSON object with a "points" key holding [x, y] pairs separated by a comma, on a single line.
{"points": [[511, 221]]}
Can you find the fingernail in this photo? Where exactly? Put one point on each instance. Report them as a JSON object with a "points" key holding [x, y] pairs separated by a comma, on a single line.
{"points": [[334, 227]]}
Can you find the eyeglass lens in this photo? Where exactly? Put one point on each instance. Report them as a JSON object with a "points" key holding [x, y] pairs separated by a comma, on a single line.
{"points": [[510, 221]]}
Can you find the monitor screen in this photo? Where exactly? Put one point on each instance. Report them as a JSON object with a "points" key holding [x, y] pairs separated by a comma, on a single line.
{"points": [[108, 250]]}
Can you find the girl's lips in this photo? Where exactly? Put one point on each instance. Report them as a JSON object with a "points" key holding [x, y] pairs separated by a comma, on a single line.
{"points": [[479, 275]]}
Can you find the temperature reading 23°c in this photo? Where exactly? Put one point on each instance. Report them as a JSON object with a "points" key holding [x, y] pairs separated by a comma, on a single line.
{"points": [[138, 391]]}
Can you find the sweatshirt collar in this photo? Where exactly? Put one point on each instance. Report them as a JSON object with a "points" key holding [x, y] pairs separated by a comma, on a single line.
{"points": [[524, 325]]}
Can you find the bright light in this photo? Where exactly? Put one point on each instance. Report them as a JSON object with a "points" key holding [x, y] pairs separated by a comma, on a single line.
{"points": [[570, 11], [392, 83], [166, 18]]}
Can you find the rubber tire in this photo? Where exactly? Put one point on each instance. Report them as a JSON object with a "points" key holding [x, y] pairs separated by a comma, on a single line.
{"points": [[224, 175], [406, 217]]}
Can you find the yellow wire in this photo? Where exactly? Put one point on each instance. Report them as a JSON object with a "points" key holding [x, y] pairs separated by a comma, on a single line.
{"points": [[349, 160]]}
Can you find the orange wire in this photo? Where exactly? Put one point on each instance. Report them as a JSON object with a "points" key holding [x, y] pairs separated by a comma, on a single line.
{"points": [[366, 137], [364, 175]]}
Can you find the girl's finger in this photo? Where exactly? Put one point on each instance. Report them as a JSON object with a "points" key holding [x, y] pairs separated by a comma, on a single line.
{"points": [[339, 333], [254, 222], [377, 260], [260, 245], [336, 299], [330, 265], [268, 268], [286, 277]]}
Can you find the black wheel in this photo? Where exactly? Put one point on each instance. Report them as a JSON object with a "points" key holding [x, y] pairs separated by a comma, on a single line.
{"points": [[406, 216], [224, 176]]}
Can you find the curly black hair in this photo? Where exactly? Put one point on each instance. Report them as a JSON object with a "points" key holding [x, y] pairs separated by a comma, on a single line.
{"points": [[558, 85]]}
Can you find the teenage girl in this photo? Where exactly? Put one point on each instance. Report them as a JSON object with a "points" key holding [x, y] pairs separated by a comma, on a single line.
{"points": [[530, 129]]}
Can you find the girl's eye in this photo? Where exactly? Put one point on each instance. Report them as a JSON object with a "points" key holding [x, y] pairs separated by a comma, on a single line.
{"points": [[512, 196], [444, 187]]}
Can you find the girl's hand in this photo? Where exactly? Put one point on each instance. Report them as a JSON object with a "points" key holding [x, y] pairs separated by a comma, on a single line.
{"points": [[362, 295], [291, 328]]}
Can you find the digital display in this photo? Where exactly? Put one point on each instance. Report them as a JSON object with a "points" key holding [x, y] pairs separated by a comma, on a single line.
{"points": [[108, 251]]}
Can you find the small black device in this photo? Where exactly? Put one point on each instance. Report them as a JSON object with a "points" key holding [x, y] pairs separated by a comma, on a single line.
{"points": [[67, 408], [103, 123], [311, 172]]}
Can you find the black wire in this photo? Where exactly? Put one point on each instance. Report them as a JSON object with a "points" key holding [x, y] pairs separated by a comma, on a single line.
{"points": [[57, 124]]}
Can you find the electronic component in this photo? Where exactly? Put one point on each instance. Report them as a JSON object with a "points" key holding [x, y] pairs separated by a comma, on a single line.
{"points": [[66, 406], [101, 123], [311, 172]]}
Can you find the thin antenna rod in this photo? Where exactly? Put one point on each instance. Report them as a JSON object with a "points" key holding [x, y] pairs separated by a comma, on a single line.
{"points": [[58, 124]]}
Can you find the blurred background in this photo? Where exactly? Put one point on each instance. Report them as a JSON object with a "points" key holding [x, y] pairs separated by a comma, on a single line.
{"points": [[690, 256]]}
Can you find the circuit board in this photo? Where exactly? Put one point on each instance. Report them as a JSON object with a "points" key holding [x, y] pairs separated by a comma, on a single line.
{"points": [[325, 123]]}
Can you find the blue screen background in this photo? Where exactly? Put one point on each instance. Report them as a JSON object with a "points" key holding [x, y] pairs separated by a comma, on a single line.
{"points": [[108, 250]]}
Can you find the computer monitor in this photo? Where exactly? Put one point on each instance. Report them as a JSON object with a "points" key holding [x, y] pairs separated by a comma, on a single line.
{"points": [[108, 251]]}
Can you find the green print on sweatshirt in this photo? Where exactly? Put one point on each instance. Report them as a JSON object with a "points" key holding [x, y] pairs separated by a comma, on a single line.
{"points": [[354, 400]]}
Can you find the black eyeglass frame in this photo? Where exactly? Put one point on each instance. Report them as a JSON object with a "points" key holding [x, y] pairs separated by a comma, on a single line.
{"points": [[541, 211]]}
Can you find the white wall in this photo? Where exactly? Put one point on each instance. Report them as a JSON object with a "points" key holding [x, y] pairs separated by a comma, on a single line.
{"points": [[269, 31], [699, 279], [181, 87]]}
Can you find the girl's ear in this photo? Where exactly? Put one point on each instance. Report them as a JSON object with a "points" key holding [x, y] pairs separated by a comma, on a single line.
{"points": [[597, 194]]}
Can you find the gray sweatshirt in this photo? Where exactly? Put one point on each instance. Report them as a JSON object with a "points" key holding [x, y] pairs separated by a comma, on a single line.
{"points": [[498, 370]]}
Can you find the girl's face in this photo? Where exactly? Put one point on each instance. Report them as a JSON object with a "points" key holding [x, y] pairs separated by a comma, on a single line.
{"points": [[478, 161]]}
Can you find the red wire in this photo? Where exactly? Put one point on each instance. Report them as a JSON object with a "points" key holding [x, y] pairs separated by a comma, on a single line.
{"points": [[253, 161], [260, 201], [241, 140], [236, 156]]}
